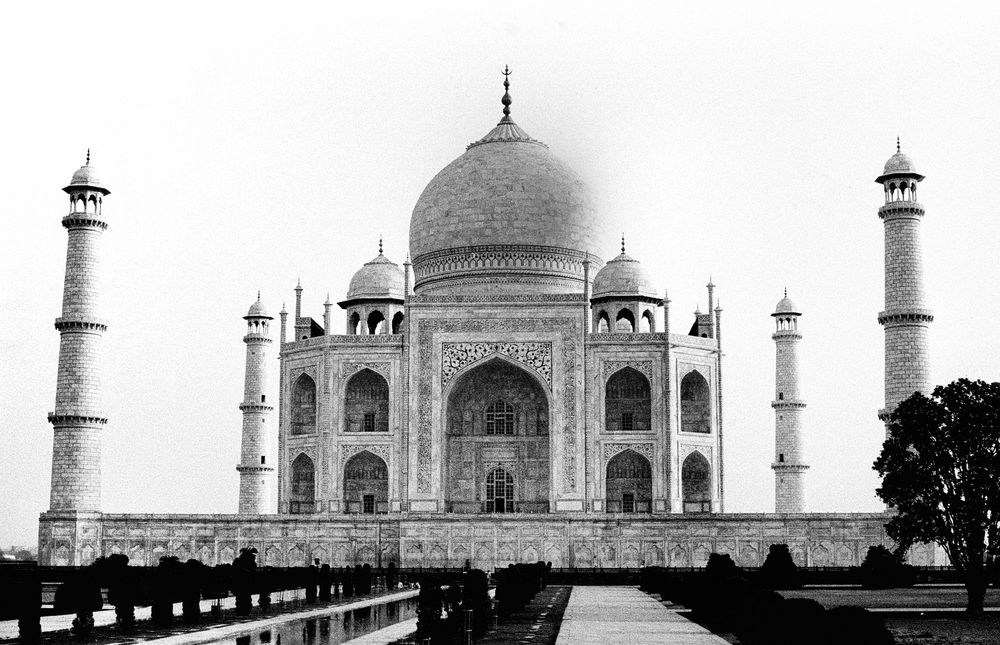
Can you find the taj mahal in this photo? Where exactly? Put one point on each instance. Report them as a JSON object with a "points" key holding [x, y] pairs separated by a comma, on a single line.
{"points": [[504, 394]]}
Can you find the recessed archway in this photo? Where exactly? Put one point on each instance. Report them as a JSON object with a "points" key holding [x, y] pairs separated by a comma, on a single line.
{"points": [[496, 415], [628, 483], [303, 493], [696, 405], [627, 405], [303, 406], [366, 484], [366, 403], [696, 484]]}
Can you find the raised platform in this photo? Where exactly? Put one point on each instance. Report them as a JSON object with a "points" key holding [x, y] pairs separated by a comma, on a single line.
{"points": [[488, 541]]}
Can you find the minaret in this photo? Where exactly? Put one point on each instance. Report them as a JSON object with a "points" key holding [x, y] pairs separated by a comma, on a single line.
{"points": [[254, 470], [904, 319], [789, 468], [78, 415]]}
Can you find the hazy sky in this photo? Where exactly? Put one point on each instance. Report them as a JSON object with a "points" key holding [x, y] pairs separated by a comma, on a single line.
{"points": [[246, 147]]}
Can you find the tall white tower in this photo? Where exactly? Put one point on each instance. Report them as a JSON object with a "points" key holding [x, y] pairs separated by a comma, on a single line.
{"points": [[789, 467], [255, 473], [905, 319], [78, 415]]}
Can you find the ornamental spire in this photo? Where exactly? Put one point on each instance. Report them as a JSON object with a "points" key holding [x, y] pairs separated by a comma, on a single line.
{"points": [[506, 100], [623, 244], [380, 245], [88, 157], [897, 145]]}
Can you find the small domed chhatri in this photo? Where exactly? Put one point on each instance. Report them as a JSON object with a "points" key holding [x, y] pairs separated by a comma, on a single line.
{"points": [[786, 306], [86, 177], [623, 276], [899, 165], [258, 310], [379, 278]]}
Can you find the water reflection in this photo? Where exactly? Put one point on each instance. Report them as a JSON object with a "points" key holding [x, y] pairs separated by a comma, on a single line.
{"points": [[332, 629]]}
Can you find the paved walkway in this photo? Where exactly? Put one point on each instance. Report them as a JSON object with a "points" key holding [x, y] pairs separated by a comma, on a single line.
{"points": [[611, 615]]}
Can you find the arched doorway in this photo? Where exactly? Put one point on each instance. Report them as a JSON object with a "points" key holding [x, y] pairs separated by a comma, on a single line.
{"points": [[366, 403], [366, 484], [304, 406], [303, 493], [499, 493], [696, 406], [629, 483], [696, 484], [627, 402], [497, 416]]}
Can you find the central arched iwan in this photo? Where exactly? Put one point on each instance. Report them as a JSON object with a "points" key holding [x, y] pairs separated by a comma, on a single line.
{"points": [[497, 414]]}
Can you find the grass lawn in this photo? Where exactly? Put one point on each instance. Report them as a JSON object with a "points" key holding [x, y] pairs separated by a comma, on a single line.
{"points": [[907, 598]]}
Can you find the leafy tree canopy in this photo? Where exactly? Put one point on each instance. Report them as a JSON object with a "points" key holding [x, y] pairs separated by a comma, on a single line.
{"points": [[939, 468]]}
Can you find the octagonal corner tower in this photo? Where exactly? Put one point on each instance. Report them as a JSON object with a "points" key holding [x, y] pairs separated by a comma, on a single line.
{"points": [[506, 217]]}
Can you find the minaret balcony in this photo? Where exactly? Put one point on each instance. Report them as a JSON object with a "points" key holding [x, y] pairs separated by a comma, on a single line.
{"points": [[788, 404], [908, 316]]}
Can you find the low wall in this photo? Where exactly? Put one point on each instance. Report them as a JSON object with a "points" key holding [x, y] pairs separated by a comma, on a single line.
{"points": [[488, 541]]}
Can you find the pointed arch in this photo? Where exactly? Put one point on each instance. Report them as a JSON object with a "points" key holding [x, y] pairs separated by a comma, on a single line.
{"points": [[366, 402], [366, 484], [376, 322], [696, 404], [603, 323], [397, 323], [696, 484], [629, 483], [303, 488], [354, 324], [303, 406], [647, 324], [627, 402], [625, 321]]}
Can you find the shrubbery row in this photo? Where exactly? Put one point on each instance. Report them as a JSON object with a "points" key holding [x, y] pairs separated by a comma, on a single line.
{"points": [[187, 583], [727, 600]]}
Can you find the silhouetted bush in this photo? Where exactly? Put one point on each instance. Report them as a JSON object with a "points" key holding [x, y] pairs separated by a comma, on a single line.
{"points": [[192, 579], [348, 578], [325, 582], [883, 569], [475, 596], [779, 570], [81, 595], [391, 576], [166, 590], [312, 580], [428, 610]]}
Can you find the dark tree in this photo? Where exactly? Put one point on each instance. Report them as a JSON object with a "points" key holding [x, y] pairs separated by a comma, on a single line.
{"points": [[779, 570], [244, 576], [939, 470]]}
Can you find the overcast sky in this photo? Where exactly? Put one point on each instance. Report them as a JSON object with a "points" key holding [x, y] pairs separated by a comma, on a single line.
{"points": [[248, 147]]}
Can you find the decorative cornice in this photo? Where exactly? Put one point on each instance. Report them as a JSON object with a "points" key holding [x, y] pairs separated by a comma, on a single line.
{"points": [[905, 317], [79, 220], [75, 419], [254, 469], [900, 210], [496, 298], [488, 260], [786, 334], [71, 324], [255, 407], [627, 338], [788, 404]]}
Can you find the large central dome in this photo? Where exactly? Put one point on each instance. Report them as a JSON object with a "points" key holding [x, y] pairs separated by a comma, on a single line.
{"points": [[505, 217]]}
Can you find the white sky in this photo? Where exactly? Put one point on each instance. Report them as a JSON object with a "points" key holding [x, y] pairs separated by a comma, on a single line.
{"points": [[247, 146]]}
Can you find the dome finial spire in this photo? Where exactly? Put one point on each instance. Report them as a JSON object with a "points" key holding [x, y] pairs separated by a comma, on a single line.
{"points": [[506, 100], [88, 157], [897, 145], [380, 245], [623, 243], [786, 292]]}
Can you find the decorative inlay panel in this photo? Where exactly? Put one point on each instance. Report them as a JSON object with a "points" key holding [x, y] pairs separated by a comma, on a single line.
{"points": [[455, 356], [644, 367], [612, 449], [706, 451], [348, 451], [349, 368], [571, 333]]}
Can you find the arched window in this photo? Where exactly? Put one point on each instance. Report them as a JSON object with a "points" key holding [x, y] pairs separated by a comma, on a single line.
{"points": [[500, 418], [603, 323], [366, 403], [499, 491], [629, 483], [627, 406], [304, 406], [397, 323], [366, 484], [625, 322], [354, 322], [376, 322], [303, 494], [696, 484], [696, 405], [647, 324]]}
